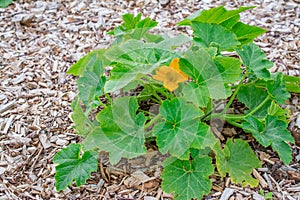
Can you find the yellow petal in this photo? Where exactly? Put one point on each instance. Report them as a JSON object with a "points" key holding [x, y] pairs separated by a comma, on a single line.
{"points": [[171, 86], [175, 65], [170, 77], [161, 73]]}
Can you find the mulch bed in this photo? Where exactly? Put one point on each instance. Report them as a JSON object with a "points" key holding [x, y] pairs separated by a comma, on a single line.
{"points": [[40, 40]]}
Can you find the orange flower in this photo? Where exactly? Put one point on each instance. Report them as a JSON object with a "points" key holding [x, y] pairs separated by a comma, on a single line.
{"points": [[171, 76]]}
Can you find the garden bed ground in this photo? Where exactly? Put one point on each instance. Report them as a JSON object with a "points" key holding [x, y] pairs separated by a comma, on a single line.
{"points": [[40, 40]]}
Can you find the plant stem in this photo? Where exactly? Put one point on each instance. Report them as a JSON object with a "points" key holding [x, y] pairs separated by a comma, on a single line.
{"points": [[153, 121], [259, 106], [234, 123], [234, 94]]}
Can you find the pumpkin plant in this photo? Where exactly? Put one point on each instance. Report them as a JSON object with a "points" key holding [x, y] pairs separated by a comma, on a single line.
{"points": [[185, 77]]}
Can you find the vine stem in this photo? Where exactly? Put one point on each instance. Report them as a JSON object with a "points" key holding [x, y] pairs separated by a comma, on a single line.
{"points": [[259, 106], [153, 121], [234, 123], [234, 94]]}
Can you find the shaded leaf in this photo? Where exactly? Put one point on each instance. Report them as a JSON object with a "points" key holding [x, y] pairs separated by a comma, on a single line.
{"points": [[238, 160], [71, 166], [273, 133], [187, 179], [121, 132]]}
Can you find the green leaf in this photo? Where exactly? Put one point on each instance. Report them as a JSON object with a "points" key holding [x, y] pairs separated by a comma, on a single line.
{"points": [[5, 3], [133, 27], [94, 61], [216, 15], [238, 160], [205, 138], [276, 89], [271, 132], [134, 58], [255, 60], [179, 129], [187, 179], [207, 74], [71, 166], [246, 33], [197, 94], [208, 34], [121, 132], [280, 113], [153, 38], [292, 83], [252, 96], [90, 87], [82, 123], [230, 68]]}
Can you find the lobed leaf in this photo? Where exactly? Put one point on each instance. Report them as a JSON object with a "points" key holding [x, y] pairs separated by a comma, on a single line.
{"points": [[133, 58], [133, 27], [273, 133], [238, 160], [252, 96], [246, 33], [216, 15], [211, 74], [90, 86], [292, 83], [71, 166], [214, 34], [187, 179], [5, 3], [83, 125], [197, 94], [94, 61], [276, 89], [255, 60], [179, 129], [122, 131]]}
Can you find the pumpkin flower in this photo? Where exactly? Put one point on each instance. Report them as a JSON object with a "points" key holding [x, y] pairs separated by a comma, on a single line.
{"points": [[171, 76]]}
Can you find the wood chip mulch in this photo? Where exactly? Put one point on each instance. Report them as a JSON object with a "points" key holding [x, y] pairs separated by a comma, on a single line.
{"points": [[40, 40]]}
